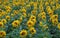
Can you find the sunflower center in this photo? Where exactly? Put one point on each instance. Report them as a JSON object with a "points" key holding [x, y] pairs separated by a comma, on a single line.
{"points": [[29, 23], [16, 23], [0, 24], [32, 31], [23, 33]]}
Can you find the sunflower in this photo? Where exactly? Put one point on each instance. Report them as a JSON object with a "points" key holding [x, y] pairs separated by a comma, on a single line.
{"points": [[58, 26], [15, 23], [23, 10], [30, 23], [21, 2], [6, 0], [23, 33], [0, 1], [1, 24], [56, 1], [44, 17], [43, 13], [24, 15], [4, 21], [16, 12], [31, 3], [55, 21], [33, 20], [12, 15], [16, 3], [41, 23], [2, 33], [52, 3], [33, 17], [32, 30], [20, 19], [3, 13], [53, 8], [33, 12], [50, 12], [0, 15], [8, 17], [45, 26], [57, 5], [35, 4], [48, 8], [27, 6], [8, 8], [46, 3], [56, 16]]}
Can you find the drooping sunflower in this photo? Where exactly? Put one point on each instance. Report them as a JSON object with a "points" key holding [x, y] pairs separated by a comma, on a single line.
{"points": [[41, 23], [23, 33], [45, 26], [20, 19]]}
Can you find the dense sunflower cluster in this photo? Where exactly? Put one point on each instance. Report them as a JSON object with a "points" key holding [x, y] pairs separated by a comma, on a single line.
{"points": [[29, 18]]}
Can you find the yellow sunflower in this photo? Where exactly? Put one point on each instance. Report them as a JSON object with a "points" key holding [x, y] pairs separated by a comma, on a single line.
{"points": [[41, 23], [8, 8], [46, 3], [43, 13], [32, 30], [55, 21], [15, 23], [53, 8], [0, 1], [33, 17], [45, 26], [16, 12], [2, 33], [20, 19], [50, 12], [1, 24], [44, 17], [23, 33], [8, 17], [55, 16], [58, 26], [30, 23], [34, 12], [4, 21], [34, 20], [24, 10]]}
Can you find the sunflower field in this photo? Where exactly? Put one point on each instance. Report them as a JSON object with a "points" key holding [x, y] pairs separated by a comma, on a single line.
{"points": [[29, 18]]}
